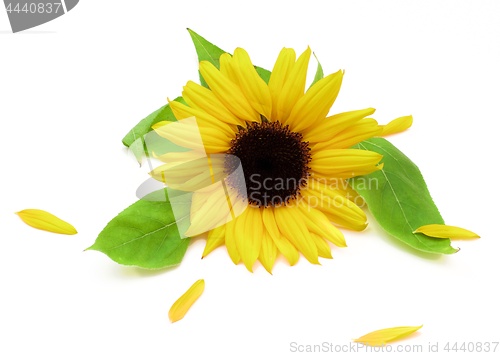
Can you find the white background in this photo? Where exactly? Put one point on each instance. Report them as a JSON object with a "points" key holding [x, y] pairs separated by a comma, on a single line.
{"points": [[72, 88]]}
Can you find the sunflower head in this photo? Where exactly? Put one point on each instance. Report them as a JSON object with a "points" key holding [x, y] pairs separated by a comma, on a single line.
{"points": [[267, 164]]}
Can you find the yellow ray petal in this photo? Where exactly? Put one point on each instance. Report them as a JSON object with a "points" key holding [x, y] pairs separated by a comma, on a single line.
{"points": [[328, 128], [344, 163], [228, 68], [203, 98], [268, 252], [248, 236], [334, 204], [383, 336], [232, 250], [182, 305], [319, 224], [284, 246], [43, 220], [316, 103], [323, 247], [216, 238], [397, 125], [291, 224], [360, 131], [279, 75], [252, 85], [294, 87], [228, 92], [187, 133], [446, 231], [211, 213]]}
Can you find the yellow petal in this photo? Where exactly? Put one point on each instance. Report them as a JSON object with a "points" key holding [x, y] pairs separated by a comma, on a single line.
{"points": [[328, 128], [290, 221], [316, 103], [397, 125], [344, 163], [42, 220], [216, 238], [360, 131], [279, 75], [182, 305], [252, 85], [227, 67], [383, 336], [228, 92], [294, 87], [248, 236], [204, 99], [232, 250], [446, 231], [268, 252], [331, 200], [284, 246]]}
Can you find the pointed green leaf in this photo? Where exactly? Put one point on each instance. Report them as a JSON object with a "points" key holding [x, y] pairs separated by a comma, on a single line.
{"points": [[144, 126], [207, 51], [319, 72], [148, 234], [398, 198], [263, 73]]}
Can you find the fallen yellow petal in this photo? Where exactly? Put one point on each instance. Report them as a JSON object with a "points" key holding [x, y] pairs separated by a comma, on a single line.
{"points": [[397, 125], [446, 231], [383, 336], [42, 220], [182, 305]]}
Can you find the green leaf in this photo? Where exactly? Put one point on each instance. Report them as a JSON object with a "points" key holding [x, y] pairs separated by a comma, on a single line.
{"points": [[148, 234], [144, 126], [319, 72], [399, 199], [263, 73], [207, 51]]}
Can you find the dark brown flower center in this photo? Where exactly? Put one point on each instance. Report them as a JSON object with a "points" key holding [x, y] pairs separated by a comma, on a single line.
{"points": [[274, 160]]}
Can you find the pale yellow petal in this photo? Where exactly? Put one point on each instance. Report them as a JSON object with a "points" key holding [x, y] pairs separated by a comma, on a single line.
{"points": [[446, 231], [228, 93], [184, 303], [203, 119], [397, 125], [314, 106], [279, 75], [294, 87], [285, 247], [187, 133], [43, 220], [328, 128], [384, 336], [216, 238], [211, 213], [252, 85]]}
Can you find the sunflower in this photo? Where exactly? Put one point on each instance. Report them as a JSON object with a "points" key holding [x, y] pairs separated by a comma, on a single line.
{"points": [[267, 166]]}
